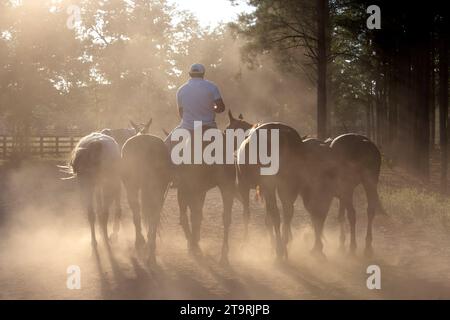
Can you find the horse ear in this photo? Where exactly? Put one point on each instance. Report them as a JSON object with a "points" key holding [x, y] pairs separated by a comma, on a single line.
{"points": [[230, 115], [146, 127], [241, 117], [134, 125]]}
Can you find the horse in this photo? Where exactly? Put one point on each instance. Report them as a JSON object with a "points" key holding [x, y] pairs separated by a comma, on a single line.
{"points": [[319, 181], [193, 182], [357, 161], [244, 185], [300, 173], [95, 163], [146, 169], [121, 135], [285, 182]]}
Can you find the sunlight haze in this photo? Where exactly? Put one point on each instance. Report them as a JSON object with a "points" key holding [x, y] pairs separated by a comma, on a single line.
{"points": [[212, 12]]}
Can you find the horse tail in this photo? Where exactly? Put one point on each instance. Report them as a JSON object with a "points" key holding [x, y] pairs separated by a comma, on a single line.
{"points": [[374, 196], [68, 170], [370, 180]]}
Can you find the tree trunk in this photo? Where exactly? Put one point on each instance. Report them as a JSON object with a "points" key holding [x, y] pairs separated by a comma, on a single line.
{"points": [[322, 22], [432, 97], [443, 101], [421, 91]]}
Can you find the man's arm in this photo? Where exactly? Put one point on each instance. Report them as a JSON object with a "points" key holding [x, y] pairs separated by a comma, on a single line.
{"points": [[218, 101], [220, 106]]}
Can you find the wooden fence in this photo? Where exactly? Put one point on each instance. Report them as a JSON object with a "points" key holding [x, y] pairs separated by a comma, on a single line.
{"points": [[42, 146]]}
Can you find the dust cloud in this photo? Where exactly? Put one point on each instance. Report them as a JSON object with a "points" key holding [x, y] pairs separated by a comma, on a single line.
{"points": [[45, 230]]}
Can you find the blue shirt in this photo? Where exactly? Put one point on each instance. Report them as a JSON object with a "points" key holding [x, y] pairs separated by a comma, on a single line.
{"points": [[197, 99]]}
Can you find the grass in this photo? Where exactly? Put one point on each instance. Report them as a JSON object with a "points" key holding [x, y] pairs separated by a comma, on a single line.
{"points": [[409, 205]]}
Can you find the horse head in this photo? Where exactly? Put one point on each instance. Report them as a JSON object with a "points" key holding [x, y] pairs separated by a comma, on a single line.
{"points": [[238, 123], [141, 128]]}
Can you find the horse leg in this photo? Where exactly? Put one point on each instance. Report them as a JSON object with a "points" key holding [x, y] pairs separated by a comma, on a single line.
{"points": [[227, 197], [118, 211], [153, 205], [287, 196], [184, 220], [318, 220], [274, 218], [99, 198], [372, 203], [351, 216], [87, 190], [269, 228], [108, 197], [341, 219], [244, 191], [196, 207], [133, 202], [318, 205]]}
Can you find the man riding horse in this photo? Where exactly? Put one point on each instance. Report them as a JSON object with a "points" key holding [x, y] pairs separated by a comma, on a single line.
{"points": [[198, 101]]}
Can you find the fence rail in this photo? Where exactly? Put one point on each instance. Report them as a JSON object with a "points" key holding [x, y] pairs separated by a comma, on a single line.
{"points": [[37, 146]]}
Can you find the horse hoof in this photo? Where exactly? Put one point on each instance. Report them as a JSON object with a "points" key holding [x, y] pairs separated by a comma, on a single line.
{"points": [[279, 261], [318, 254], [195, 251], [114, 238], [224, 261], [106, 241], [368, 252], [151, 262], [139, 243]]}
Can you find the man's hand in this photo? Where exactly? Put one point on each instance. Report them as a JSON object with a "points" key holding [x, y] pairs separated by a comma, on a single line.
{"points": [[220, 106]]}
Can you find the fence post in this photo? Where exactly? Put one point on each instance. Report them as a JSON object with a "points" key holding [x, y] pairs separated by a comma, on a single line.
{"points": [[41, 146], [4, 147], [57, 146]]}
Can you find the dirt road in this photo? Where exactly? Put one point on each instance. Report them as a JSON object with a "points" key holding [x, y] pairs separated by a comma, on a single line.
{"points": [[44, 231]]}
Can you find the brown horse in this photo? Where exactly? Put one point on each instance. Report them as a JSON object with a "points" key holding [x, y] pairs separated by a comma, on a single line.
{"points": [[120, 135], [300, 173], [319, 179], [244, 185], [285, 182], [193, 182], [146, 169], [123, 134], [95, 163], [356, 161]]}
